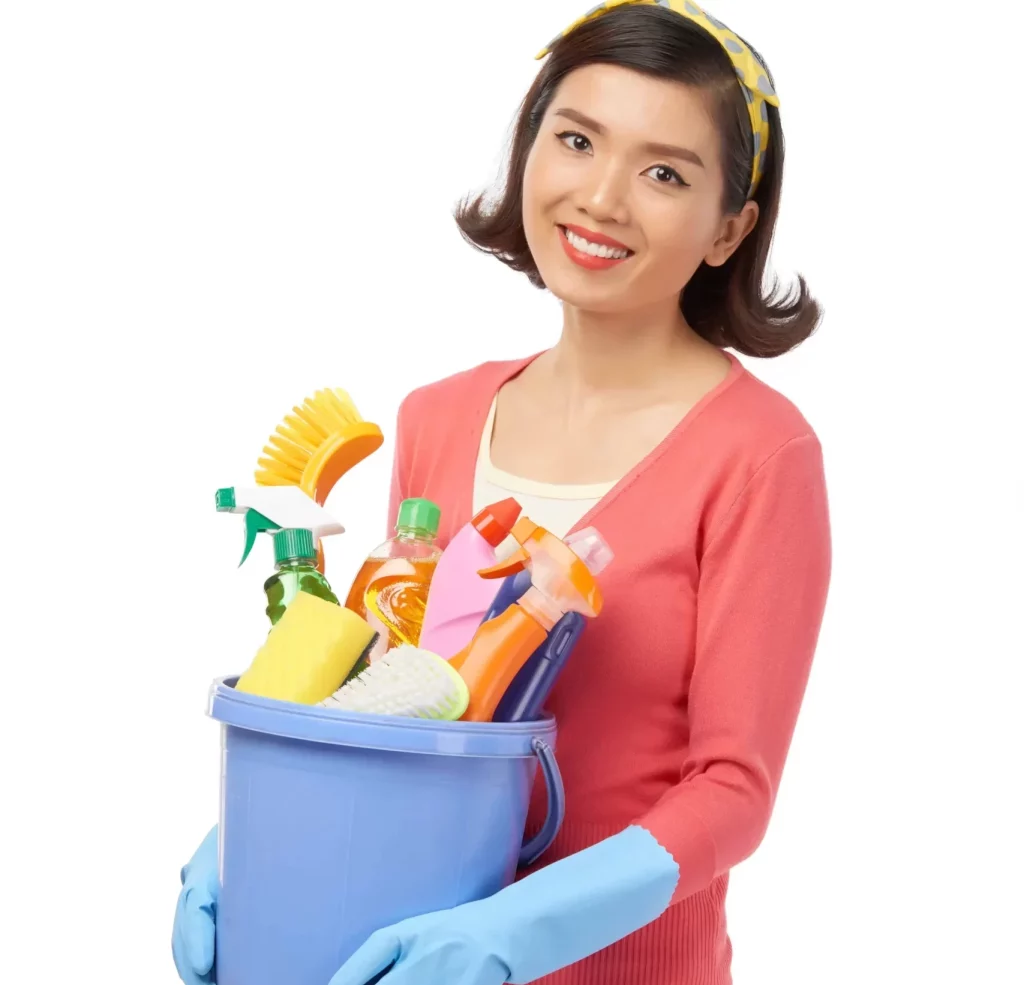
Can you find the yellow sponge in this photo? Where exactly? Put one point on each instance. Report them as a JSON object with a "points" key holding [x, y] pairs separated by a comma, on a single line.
{"points": [[309, 653]]}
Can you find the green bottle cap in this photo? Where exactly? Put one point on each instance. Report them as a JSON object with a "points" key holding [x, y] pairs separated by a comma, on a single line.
{"points": [[420, 514], [294, 545], [225, 499]]}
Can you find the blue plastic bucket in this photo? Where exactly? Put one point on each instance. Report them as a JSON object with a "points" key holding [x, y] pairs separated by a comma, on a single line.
{"points": [[333, 825]]}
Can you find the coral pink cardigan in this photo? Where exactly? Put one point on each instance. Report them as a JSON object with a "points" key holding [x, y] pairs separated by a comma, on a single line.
{"points": [[677, 708]]}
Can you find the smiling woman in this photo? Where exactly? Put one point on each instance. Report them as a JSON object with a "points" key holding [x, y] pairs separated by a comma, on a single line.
{"points": [[635, 136], [642, 192]]}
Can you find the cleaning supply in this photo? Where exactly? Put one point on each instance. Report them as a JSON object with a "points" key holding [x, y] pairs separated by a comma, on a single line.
{"points": [[407, 681], [510, 590], [308, 653], [390, 589], [524, 700], [553, 917], [296, 571], [563, 579], [333, 824], [316, 445], [459, 597], [297, 523], [276, 508], [525, 697]]}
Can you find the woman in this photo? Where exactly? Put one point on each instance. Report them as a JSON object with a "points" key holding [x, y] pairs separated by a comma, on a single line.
{"points": [[642, 191]]}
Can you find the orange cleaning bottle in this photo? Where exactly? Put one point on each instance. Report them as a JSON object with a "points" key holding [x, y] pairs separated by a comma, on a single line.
{"points": [[390, 589], [563, 579]]}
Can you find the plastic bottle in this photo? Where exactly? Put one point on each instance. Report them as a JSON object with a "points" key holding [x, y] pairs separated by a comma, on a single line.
{"points": [[563, 579], [525, 697], [297, 523], [295, 560], [459, 598], [390, 589]]}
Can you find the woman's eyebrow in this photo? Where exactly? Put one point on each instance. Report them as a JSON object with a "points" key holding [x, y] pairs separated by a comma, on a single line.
{"points": [[650, 147]]}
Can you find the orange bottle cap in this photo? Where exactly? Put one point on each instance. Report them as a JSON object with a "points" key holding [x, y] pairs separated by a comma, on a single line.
{"points": [[495, 522]]}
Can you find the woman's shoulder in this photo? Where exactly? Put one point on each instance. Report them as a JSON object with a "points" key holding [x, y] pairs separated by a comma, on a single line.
{"points": [[450, 407], [444, 389], [453, 395], [761, 417]]}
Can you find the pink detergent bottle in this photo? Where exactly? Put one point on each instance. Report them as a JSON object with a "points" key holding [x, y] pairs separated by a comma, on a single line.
{"points": [[459, 598]]}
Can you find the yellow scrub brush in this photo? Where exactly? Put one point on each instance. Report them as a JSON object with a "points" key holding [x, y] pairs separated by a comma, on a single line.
{"points": [[316, 445]]}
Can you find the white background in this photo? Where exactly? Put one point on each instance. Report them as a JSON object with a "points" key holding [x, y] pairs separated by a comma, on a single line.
{"points": [[209, 210]]}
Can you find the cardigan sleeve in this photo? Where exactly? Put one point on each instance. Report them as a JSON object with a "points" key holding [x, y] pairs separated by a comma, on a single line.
{"points": [[760, 601]]}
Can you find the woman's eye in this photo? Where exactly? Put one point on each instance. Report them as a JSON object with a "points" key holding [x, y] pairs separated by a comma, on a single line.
{"points": [[665, 175], [573, 140]]}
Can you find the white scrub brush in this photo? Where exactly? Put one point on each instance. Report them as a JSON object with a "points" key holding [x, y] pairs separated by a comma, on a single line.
{"points": [[405, 681]]}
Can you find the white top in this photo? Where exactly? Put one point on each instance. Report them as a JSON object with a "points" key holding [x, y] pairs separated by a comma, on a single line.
{"points": [[555, 507]]}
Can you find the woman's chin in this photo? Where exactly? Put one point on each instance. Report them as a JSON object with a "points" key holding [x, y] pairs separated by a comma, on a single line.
{"points": [[583, 290]]}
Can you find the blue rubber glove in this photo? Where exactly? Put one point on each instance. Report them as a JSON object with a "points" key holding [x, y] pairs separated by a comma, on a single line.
{"points": [[552, 918], [194, 921]]}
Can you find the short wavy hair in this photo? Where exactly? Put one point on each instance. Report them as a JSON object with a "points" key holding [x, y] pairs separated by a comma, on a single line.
{"points": [[727, 305]]}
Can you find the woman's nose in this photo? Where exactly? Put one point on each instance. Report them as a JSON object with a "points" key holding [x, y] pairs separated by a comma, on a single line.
{"points": [[604, 193]]}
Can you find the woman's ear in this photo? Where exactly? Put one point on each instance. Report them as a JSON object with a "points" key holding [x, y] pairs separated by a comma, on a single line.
{"points": [[735, 228]]}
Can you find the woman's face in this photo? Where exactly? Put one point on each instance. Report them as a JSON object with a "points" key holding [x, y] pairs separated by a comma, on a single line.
{"points": [[632, 165]]}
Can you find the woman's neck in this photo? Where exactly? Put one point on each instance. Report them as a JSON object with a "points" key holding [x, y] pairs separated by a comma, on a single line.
{"points": [[599, 353]]}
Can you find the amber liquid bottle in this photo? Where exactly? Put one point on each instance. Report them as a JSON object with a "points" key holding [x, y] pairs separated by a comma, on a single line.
{"points": [[390, 589]]}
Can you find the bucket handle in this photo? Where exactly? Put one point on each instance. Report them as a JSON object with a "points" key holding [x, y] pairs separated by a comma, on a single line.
{"points": [[542, 840]]}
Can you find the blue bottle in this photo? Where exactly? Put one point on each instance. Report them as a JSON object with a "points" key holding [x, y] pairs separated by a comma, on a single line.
{"points": [[524, 700]]}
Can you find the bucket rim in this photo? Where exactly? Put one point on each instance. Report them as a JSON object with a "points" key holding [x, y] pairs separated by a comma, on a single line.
{"points": [[393, 733]]}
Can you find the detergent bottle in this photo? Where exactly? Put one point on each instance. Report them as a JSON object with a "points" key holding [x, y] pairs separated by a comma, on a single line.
{"points": [[295, 558], [297, 523], [390, 589], [526, 696], [562, 579], [459, 598]]}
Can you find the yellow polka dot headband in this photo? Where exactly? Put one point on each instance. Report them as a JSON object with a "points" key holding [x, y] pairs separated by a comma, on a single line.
{"points": [[756, 87]]}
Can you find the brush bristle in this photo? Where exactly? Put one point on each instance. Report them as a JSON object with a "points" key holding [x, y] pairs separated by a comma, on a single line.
{"points": [[303, 431], [406, 681]]}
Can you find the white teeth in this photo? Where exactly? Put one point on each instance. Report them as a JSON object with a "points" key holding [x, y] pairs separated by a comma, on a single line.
{"points": [[585, 246]]}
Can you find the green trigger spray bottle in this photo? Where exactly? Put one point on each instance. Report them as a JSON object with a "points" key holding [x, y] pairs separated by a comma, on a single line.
{"points": [[297, 523]]}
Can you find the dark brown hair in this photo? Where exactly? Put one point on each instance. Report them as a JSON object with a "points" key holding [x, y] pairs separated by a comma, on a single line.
{"points": [[727, 305]]}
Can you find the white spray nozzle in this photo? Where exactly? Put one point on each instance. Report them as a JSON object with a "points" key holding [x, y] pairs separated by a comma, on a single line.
{"points": [[276, 508]]}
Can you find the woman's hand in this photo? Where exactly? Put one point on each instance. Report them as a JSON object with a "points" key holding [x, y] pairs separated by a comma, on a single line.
{"points": [[449, 947], [552, 918], [192, 939]]}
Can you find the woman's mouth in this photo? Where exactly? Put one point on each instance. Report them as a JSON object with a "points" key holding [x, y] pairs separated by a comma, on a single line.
{"points": [[592, 256]]}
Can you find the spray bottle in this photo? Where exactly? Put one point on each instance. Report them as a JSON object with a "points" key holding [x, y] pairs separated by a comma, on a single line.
{"points": [[298, 523], [458, 596], [563, 579], [526, 696]]}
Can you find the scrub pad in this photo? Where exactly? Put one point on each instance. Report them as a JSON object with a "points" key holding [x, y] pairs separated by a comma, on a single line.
{"points": [[309, 653]]}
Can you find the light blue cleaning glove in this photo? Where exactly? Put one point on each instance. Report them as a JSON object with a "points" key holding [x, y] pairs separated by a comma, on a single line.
{"points": [[194, 921], [552, 918]]}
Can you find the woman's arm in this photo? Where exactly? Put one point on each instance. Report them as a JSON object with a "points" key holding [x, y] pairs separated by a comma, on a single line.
{"points": [[764, 578], [763, 583]]}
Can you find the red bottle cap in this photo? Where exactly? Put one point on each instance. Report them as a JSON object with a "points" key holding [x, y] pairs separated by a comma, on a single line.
{"points": [[495, 522]]}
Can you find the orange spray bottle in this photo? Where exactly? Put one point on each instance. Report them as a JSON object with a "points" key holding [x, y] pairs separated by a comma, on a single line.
{"points": [[563, 579]]}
